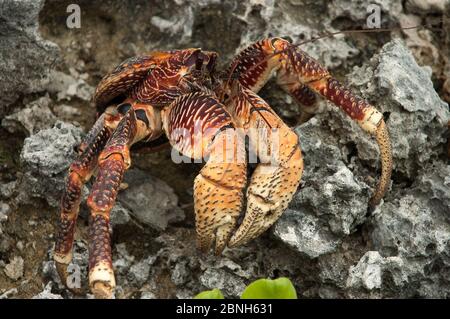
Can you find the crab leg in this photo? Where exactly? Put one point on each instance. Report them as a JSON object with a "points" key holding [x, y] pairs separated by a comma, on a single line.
{"points": [[297, 65], [295, 70], [112, 163], [277, 177], [80, 172], [254, 67], [370, 120], [197, 126]]}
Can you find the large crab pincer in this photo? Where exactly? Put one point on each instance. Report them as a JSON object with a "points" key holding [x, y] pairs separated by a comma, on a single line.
{"points": [[205, 114]]}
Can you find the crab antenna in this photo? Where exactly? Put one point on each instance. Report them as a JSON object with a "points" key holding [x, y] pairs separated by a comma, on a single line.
{"points": [[331, 34]]}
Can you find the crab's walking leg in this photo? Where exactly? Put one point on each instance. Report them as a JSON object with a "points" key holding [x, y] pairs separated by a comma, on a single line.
{"points": [[79, 173], [112, 163], [297, 70], [197, 125], [297, 65], [278, 175]]}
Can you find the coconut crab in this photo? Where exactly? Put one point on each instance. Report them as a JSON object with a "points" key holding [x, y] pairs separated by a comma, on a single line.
{"points": [[149, 96]]}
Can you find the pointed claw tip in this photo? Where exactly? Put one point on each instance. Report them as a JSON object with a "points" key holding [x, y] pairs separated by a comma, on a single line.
{"points": [[373, 203], [370, 210], [219, 250], [203, 248]]}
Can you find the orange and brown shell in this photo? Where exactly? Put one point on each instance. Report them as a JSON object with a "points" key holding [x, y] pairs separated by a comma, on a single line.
{"points": [[125, 76]]}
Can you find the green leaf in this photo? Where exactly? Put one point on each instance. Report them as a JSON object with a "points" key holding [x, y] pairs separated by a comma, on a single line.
{"points": [[210, 294], [281, 288]]}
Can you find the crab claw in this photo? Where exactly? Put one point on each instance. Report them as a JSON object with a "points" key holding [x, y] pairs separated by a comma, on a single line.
{"points": [[278, 174], [270, 191], [218, 191], [218, 203]]}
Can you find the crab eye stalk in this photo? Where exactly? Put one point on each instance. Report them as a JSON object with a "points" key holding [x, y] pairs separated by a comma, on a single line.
{"points": [[195, 60], [211, 64]]}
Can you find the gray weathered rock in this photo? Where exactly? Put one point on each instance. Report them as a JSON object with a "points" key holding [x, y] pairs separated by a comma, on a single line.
{"points": [[140, 271], [359, 10], [14, 269], [148, 295], [367, 272], [25, 58], [412, 238], [49, 272], [9, 293], [230, 284], [7, 189], [31, 119], [372, 269], [180, 273], [47, 293], [119, 215], [5, 209], [193, 272], [122, 261], [330, 188], [305, 233], [422, 7], [47, 156], [68, 86], [64, 111], [415, 227], [150, 200]]}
